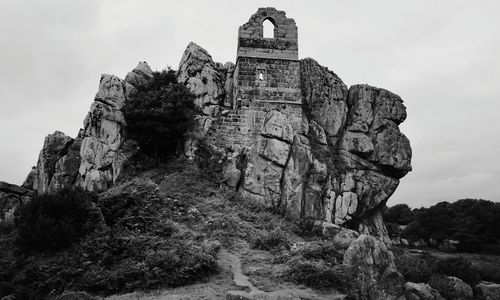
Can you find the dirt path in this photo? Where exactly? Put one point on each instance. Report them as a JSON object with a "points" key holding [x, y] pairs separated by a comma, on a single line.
{"points": [[231, 278], [234, 263], [230, 283]]}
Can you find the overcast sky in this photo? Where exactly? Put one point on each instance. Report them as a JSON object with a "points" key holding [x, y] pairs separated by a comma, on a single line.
{"points": [[441, 57]]}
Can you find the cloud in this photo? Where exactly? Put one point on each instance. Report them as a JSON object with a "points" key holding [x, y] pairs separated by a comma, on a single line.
{"points": [[440, 57]]}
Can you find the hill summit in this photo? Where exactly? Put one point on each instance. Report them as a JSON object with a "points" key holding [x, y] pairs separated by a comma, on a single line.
{"points": [[281, 131], [283, 174]]}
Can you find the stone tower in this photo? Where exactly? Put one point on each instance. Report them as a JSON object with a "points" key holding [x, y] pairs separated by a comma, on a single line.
{"points": [[266, 77], [267, 69]]}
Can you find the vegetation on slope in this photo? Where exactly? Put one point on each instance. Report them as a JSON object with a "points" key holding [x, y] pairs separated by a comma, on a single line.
{"points": [[163, 228], [138, 247]]}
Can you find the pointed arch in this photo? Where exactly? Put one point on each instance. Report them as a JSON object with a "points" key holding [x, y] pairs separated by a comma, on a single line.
{"points": [[268, 28]]}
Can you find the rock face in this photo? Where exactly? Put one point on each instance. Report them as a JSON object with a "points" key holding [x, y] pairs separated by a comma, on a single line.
{"points": [[371, 270], [57, 165], [93, 160], [327, 152], [11, 196], [341, 166], [104, 129], [211, 83]]}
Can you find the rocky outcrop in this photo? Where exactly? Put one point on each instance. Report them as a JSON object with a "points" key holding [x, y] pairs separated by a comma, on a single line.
{"points": [[11, 196], [94, 159], [371, 270], [336, 158], [323, 97], [57, 165], [421, 291], [203, 77], [212, 85], [340, 167], [103, 135]]}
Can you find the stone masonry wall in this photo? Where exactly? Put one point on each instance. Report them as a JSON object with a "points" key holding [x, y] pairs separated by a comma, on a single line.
{"points": [[266, 78], [284, 45]]}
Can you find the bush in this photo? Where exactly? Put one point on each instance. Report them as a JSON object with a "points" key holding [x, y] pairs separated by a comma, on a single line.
{"points": [[488, 272], [329, 252], [132, 261], [415, 268], [458, 267], [316, 274], [53, 222], [273, 240], [141, 248]]}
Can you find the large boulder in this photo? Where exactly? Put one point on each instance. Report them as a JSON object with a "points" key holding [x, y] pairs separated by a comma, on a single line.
{"points": [[324, 97], [371, 270], [421, 291], [140, 76], [211, 83], [487, 291], [57, 165], [338, 234], [451, 287], [203, 77], [11, 196], [372, 129]]}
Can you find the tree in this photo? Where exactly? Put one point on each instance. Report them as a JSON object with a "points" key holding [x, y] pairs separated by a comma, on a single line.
{"points": [[400, 214], [159, 115]]}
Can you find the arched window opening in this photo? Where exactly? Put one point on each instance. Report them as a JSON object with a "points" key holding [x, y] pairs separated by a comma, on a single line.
{"points": [[268, 29], [261, 74]]}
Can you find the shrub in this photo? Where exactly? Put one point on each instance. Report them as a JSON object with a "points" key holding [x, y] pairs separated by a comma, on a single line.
{"points": [[137, 261], [52, 222], [329, 252], [6, 228], [488, 272], [273, 240], [415, 268], [458, 267], [316, 274], [227, 228]]}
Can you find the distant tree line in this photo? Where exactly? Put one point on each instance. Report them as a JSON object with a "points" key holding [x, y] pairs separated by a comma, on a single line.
{"points": [[474, 223]]}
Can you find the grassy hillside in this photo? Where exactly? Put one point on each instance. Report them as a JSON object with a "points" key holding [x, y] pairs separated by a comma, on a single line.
{"points": [[164, 228]]}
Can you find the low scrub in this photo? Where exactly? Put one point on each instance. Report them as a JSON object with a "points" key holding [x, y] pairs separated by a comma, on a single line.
{"points": [[52, 222], [415, 268], [420, 268], [329, 252], [316, 274], [458, 267], [272, 241], [114, 261], [137, 246], [317, 265]]}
